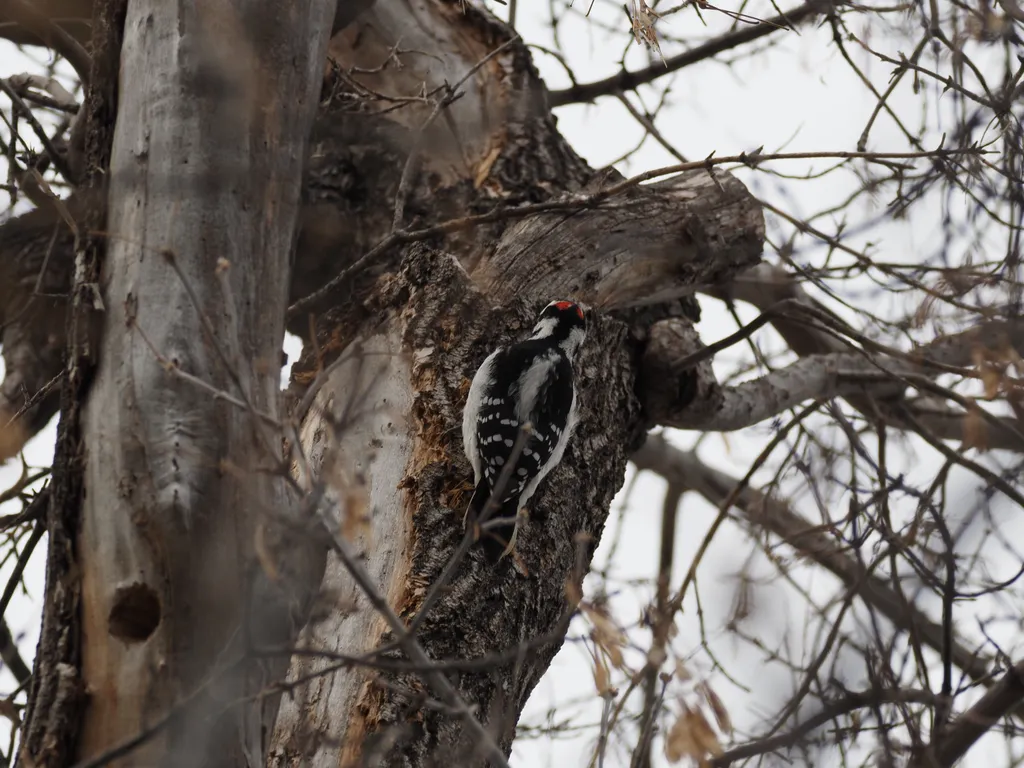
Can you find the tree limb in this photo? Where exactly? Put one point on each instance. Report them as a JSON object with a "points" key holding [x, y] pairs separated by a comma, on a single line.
{"points": [[12, 656], [52, 34], [831, 710], [203, 207], [996, 703], [681, 390], [774, 516], [627, 81]]}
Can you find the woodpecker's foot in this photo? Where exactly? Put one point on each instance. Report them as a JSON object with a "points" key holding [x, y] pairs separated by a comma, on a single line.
{"points": [[522, 515]]}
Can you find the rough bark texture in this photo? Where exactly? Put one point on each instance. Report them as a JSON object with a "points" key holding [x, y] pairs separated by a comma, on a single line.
{"points": [[438, 328], [497, 146], [52, 719], [204, 189]]}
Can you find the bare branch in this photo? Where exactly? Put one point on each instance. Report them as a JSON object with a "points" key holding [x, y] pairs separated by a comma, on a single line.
{"points": [[769, 514], [832, 710], [627, 81], [51, 35], [998, 701]]}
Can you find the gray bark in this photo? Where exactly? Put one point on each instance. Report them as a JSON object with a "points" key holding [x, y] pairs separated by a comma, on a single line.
{"points": [[204, 189], [439, 323]]}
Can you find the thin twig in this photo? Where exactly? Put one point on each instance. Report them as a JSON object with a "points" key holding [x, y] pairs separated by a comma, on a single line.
{"points": [[58, 160], [23, 558], [53, 36], [450, 95], [844, 706]]}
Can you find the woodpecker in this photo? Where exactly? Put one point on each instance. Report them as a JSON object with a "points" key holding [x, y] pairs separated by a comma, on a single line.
{"points": [[519, 416]]}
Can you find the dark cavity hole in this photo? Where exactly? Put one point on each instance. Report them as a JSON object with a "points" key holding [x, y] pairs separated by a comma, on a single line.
{"points": [[135, 614]]}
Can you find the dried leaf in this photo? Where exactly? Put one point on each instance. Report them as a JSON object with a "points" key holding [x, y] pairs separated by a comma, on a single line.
{"points": [[602, 675], [10, 711], [643, 18], [704, 734], [12, 436], [682, 673], [991, 375], [975, 430], [679, 743], [573, 593], [717, 707], [920, 317], [691, 736], [606, 635]]}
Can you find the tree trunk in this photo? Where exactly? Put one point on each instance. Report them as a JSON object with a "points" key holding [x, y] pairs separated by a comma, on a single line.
{"points": [[204, 190], [394, 404]]}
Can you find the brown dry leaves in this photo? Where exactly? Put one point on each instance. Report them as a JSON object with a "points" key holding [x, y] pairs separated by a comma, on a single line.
{"points": [[692, 736], [644, 18], [993, 370], [12, 436], [608, 641]]}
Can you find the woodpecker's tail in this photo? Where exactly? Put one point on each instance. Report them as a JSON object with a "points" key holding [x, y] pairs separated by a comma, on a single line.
{"points": [[496, 538]]}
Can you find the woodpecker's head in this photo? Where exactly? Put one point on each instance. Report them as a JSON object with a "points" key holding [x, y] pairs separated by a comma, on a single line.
{"points": [[565, 323]]}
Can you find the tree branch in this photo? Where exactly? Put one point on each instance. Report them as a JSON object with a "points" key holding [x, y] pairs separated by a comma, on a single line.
{"points": [[681, 390], [51, 35], [627, 81], [997, 702], [771, 515], [850, 702], [12, 656], [170, 587], [74, 16], [817, 376]]}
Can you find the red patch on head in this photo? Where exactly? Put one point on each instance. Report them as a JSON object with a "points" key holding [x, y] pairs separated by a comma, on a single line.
{"points": [[564, 305]]}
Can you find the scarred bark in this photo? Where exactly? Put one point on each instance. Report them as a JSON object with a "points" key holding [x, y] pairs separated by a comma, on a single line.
{"points": [[57, 695], [437, 328], [495, 148], [437, 323]]}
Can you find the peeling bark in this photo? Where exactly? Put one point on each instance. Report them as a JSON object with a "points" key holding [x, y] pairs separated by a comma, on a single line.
{"points": [[442, 328]]}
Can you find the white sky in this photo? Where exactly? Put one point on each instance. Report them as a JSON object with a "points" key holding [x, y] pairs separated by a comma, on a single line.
{"points": [[799, 96]]}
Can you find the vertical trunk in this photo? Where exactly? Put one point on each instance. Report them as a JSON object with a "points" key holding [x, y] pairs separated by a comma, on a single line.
{"points": [[433, 325], [436, 329], [215, 109]]}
